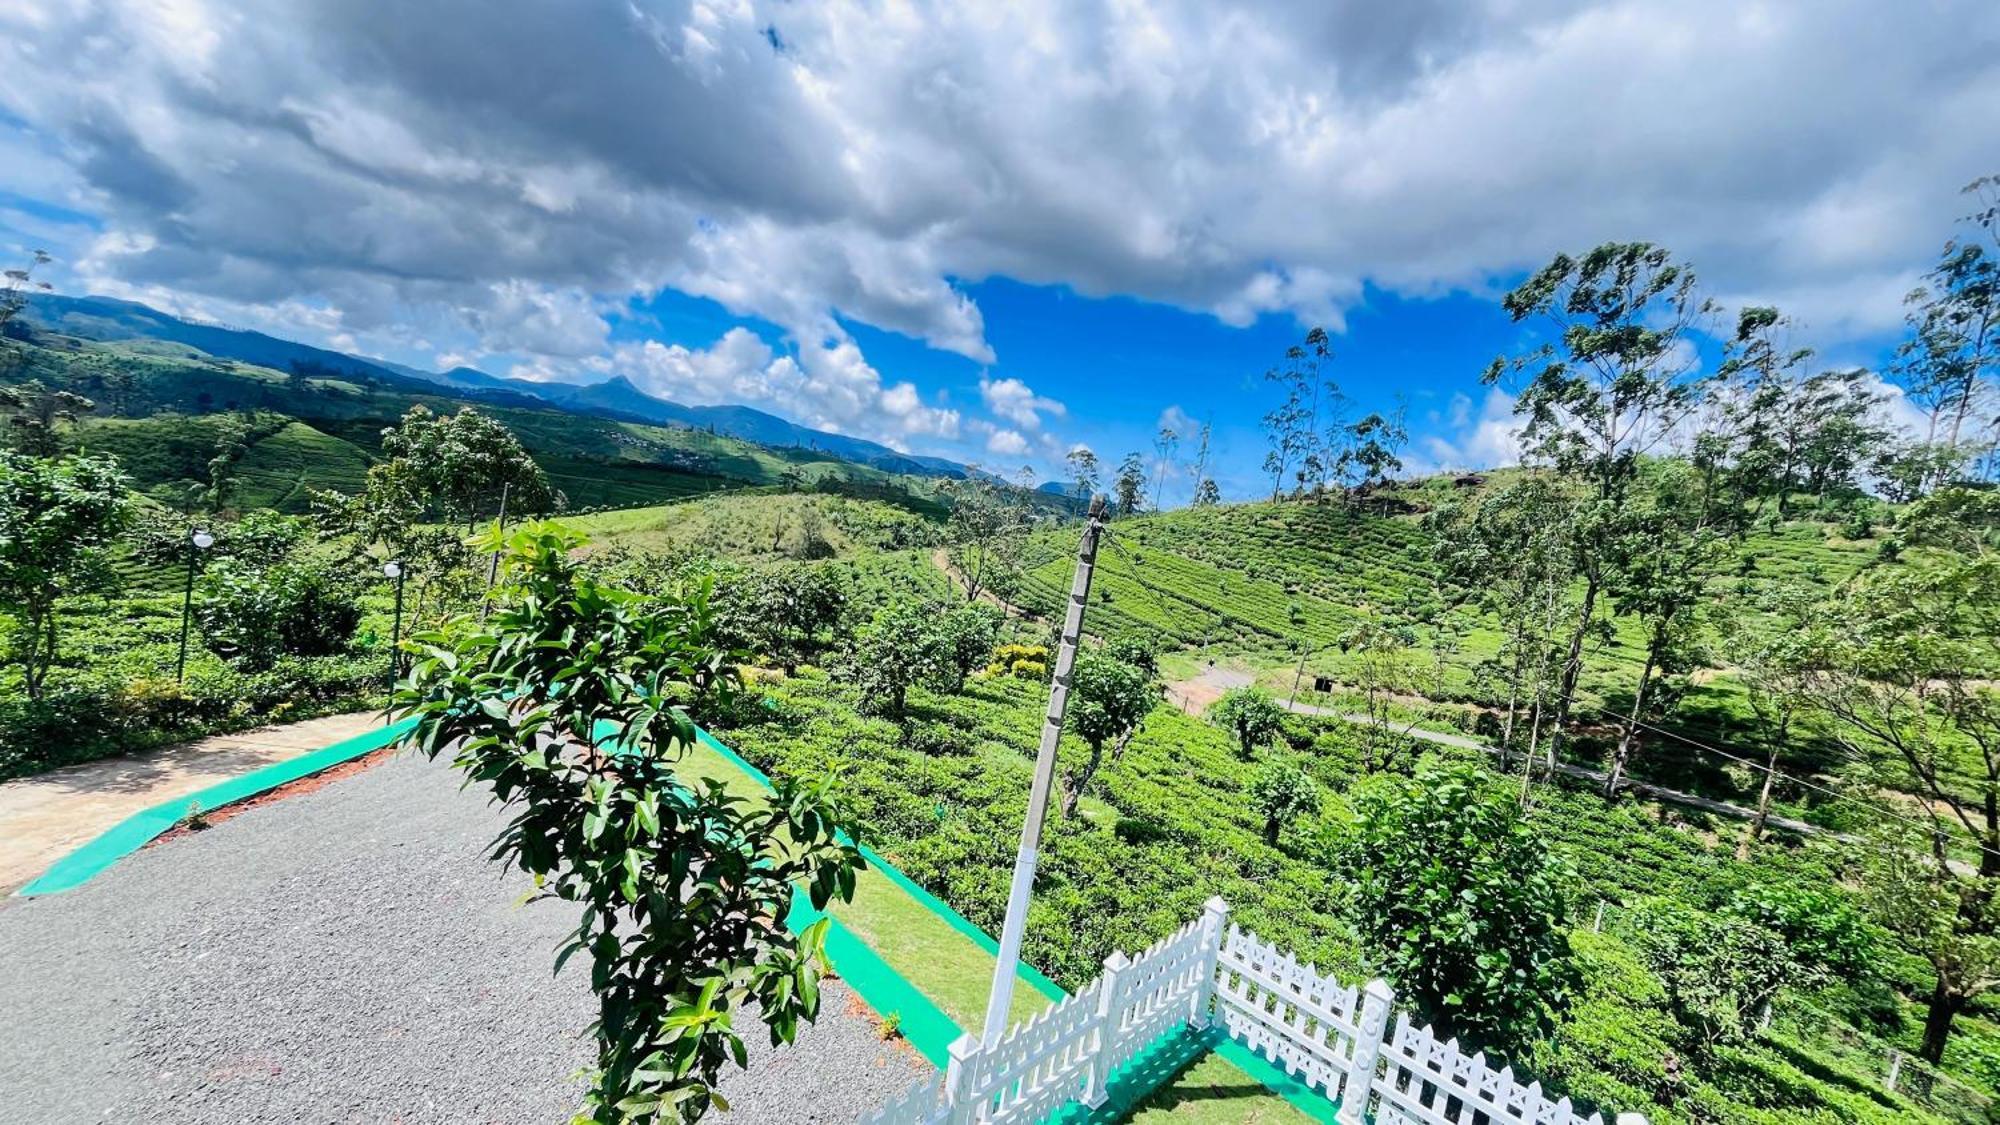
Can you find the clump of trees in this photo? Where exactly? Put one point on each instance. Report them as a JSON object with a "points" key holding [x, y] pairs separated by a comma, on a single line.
{"points": [[570, 702]]}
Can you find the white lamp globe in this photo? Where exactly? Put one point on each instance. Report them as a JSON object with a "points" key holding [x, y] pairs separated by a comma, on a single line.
{"points": [[393, 568], [203, 540]]}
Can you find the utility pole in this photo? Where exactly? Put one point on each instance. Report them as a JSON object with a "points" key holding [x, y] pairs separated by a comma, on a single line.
{"points": [[1001, 998]]}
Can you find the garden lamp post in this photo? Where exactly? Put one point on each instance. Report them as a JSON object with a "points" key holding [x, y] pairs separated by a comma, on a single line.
{"points": [[199, 540], [394, 569]]}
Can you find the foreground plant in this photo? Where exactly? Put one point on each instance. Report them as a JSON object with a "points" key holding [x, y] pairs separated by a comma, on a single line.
{"points": [[568, 701]]}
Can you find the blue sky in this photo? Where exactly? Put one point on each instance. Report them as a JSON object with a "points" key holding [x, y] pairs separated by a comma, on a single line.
{"points": [[984, 231]]}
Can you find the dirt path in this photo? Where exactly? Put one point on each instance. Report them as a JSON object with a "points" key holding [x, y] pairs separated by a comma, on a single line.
{"points": [[941, 558], [1196, 694], [45, 817]]}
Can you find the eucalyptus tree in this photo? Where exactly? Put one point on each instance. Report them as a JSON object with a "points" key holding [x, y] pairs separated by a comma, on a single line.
{"points": [[1674, 533], [987, 519], [570, 702], [1084, 472], [35, 414], [1511, 553], [1893, 672], [1204, 488], [1165, 444], [1128, 488], [1378, 651], [1615, 382], [1299, 449]]}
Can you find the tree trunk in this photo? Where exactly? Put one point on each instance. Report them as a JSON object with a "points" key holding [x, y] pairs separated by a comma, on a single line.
{"points": [[1756, 826], [1944, 1008], [1075, 783], [1573, 662], [1625, 740], [1534, 741], [1271, 830]]}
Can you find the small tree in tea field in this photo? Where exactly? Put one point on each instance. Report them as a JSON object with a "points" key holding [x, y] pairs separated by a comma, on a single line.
{"points": [[1283, 793], [57, 519], [970, 633], [568, 702], [1251, 715], [1457, 901], [902, 648], [1110, 698]]}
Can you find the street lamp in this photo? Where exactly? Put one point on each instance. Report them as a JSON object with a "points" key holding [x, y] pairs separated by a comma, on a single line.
{"points": [[394, 569], [198, 540]]}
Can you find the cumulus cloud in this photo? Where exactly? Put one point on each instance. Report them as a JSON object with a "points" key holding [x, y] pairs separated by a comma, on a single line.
{"points": [[1014, 401], [828, 387], [451, 176], [1006, 443], [1486, 440]]}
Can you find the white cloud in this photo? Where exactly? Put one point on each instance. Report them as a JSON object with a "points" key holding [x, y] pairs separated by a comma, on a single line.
{"points": [[1014, 401], [827, 387], [1006, 443], [1491, 439], [431, 174]]}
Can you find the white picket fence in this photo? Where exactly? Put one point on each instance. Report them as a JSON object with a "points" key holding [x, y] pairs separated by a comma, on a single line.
{"points": [[1331, 1036]]}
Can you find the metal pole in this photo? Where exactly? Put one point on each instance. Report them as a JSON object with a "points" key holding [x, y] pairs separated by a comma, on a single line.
{"points": [[187, 607], [1001, 998], [396, 631]]}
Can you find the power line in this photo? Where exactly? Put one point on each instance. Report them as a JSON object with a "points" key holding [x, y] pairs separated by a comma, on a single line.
{"points": [[1930, 828]]}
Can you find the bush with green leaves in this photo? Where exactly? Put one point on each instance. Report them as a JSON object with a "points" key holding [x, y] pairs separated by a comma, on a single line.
{"points": [[1458, 901], [1109, 699], [253, 615], [1283, 792], [1251, 715], [569, 702], [58, 519], [970, 632], [904, 647]]}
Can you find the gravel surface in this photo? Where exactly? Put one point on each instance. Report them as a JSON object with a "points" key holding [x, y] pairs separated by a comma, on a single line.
{"points": [[343, 955]]}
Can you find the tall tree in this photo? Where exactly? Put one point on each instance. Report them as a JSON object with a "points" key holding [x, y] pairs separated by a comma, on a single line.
{"points": [[57, 522], [1893, 669], [987, 519], [1672, 537], [1165, 443], [1616, 381], [1511, 552], [1298, 448], [1202, 483], [35, 413], [1083, 472], [1129, 489], [1369, 451], [462, 462]]}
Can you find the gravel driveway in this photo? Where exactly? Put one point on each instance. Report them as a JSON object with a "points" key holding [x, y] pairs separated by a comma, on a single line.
{"points": [[344, 955]]}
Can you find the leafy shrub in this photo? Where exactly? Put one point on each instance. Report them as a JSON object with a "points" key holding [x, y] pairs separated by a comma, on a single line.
{"points": [[1458, 900], [254, 615], [1023, 662]]}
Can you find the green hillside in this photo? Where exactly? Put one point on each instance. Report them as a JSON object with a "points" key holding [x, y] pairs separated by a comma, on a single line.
{"points": [[163, 409]]}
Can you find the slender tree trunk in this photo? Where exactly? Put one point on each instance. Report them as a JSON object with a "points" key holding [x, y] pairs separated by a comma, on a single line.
{"points": [[1573, 662], [1075, 783], [1625, 740], [1755, 830], [1534, 741], [1943, 1009], [1271, 830]]}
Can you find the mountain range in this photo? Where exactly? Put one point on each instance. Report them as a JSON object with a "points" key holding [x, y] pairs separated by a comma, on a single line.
{"points": [[111, 319]]}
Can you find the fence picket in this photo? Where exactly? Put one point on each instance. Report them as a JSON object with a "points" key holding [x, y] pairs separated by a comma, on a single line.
{"points": [[1335, 1038]]}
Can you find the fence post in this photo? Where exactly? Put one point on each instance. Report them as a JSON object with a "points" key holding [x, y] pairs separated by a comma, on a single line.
{"points": [[1631, 1119], [1895, 1069], [960, 1105], [1214, 928], [1109, 1002], [1374, 1023]]}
